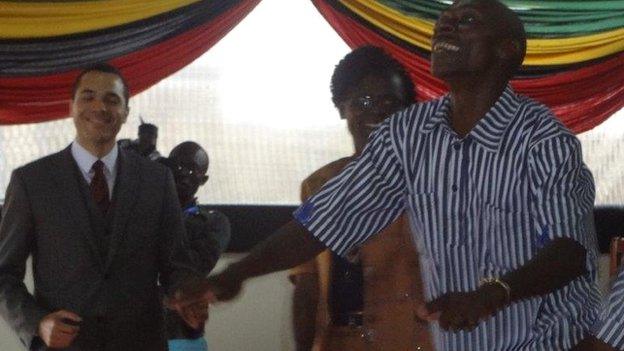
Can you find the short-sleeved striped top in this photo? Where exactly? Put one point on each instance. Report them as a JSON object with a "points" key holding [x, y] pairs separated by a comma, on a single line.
{"points": [[479, 206]]}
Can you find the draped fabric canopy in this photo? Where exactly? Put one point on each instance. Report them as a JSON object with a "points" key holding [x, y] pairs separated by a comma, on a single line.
{"points": [[574, 62], [575, 49], [43, 45]]}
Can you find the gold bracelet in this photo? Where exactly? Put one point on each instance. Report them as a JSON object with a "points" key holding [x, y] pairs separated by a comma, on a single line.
{"points": [[499, 282]]}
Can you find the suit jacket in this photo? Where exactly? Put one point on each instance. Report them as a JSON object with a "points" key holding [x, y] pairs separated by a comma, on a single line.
{"points": [[116, 293]]}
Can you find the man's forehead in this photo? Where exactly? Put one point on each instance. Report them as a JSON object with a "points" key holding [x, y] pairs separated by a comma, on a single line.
{"points": [[189, 154], [471, 2], [482, 5], [492, 11], [374, 82], [97, 78]]}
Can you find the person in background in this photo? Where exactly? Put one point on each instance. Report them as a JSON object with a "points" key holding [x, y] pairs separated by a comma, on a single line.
{"points": [[145, 144], [208, 232], [104, 229], [366, 302]]}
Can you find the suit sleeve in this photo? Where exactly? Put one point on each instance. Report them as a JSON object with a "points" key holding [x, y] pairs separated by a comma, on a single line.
{"points": [[17, 240], [176, 260]]}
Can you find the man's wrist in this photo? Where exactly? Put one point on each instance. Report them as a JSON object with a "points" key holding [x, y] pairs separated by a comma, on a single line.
{"points": [[236, 272], [593, 343], [496, 292]]}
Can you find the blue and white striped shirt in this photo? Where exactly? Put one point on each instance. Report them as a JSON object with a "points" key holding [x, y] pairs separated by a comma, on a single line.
{"points": [[610, 327], [479, 206]]}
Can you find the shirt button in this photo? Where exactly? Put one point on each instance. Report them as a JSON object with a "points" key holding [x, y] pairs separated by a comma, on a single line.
{"points": [[368, 335], [454, 187]]}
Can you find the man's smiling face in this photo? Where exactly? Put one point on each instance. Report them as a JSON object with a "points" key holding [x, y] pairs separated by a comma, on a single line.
{"points": [[99, 107], [466, 40]]}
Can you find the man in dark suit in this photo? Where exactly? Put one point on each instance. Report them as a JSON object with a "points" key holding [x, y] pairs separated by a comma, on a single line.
{"points": [[104, 229]]}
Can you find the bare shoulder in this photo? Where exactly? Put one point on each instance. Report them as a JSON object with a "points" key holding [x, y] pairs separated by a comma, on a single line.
{"points": [[318, 178]]}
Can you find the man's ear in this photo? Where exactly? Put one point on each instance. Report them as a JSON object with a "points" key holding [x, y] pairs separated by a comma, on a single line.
{"points": [[508, 49], [71, 106], [341, 109], [203, 180], [125, 118]]}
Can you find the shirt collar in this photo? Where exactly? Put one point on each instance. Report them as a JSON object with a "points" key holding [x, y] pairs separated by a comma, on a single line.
{"points": [[85, 159], [490, 129]]}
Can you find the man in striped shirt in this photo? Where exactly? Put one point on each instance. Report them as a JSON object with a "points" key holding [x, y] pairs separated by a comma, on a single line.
{"points": [[498, 197]]}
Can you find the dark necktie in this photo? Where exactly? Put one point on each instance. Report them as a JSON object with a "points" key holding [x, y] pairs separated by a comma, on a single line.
{"points": [[99, 187]]}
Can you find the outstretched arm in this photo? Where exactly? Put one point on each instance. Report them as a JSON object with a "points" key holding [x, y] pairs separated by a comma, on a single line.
{"points": [[305, 304], [289, 246]]}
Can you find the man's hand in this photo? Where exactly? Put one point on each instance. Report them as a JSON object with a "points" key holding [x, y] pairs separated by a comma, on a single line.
{"points": [[226, 285], [592, 343], [463, 311], [194, 315], [59, 329], [191, 301], [221, 287]]}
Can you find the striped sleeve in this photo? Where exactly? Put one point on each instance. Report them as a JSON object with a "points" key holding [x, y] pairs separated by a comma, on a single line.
{"points": [[563, 193], [610, 327], [361, 200]]}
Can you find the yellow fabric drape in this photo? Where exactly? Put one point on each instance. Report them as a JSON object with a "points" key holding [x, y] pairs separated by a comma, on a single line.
{"points": [[46, 19], [540, 52]]}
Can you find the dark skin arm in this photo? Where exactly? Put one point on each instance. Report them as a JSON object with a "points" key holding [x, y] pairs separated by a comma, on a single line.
{"points": [[305, 303], [593, 344], [289, 246], [556, 265]]}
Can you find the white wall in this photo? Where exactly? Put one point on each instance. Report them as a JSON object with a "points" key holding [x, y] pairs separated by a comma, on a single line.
{"points": [[258, 320]]}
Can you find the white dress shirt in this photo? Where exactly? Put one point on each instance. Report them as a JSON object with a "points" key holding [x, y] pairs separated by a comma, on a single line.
{"points": [[85, 161]]}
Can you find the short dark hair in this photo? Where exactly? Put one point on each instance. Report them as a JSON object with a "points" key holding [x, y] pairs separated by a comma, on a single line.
{"points": [[104, 68], [363, 62]]}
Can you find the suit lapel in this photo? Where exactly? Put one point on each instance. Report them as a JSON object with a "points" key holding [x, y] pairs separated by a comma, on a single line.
{"points": [[66, 176], [124, 198]]}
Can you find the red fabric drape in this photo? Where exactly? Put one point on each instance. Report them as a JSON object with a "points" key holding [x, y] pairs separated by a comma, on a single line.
{"points": [[582, 98], [37, 99]]}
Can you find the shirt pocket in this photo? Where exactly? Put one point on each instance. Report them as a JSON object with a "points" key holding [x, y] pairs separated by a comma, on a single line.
{"points": [[431, 229], [506, 243]]}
